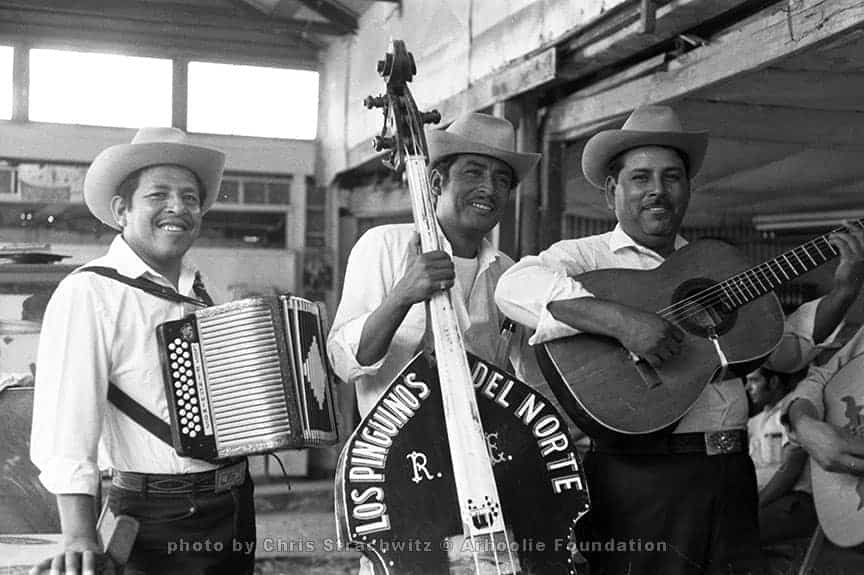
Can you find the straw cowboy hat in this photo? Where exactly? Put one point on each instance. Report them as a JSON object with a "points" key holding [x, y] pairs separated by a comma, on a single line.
{"points": [[646, 126], [149, 147], [474, 133]]}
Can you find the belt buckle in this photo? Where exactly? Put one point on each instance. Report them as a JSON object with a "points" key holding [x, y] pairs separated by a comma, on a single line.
{"points": [[722, 442], [227, 477]]}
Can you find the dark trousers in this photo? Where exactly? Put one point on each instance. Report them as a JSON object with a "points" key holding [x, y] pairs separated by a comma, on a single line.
{"points": [[789, 517], [191, 533], [676, 514]]}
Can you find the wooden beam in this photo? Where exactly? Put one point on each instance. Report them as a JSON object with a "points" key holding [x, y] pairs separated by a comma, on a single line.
{"points": [[758, 42], [511, 81], [528, 192], [618, 35], [159, 45], [21, 82], [164, 29], [180, 93], [334, 12], [170, 14], [552, 191], [647, 16], [819, 90], [754, 122]]}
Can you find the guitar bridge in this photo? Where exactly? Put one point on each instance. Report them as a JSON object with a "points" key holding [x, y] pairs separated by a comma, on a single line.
{"points": [[646, 371]]}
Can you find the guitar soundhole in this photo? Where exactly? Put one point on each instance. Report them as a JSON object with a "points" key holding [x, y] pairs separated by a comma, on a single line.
{"points": [[697, 310]]}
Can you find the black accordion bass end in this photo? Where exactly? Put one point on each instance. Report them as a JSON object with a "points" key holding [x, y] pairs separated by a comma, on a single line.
{"points": [[248, 377]]}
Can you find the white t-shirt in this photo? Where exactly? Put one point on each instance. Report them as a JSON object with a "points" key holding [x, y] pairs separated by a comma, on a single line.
{"points": [[768, 437], [466, 272]]}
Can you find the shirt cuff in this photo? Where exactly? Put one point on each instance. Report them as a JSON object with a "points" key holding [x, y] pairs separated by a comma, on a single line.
{"points": [[70, 476], [549, 328], [347, 342]]}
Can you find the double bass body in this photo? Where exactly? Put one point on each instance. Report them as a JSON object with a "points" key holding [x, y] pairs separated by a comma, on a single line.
{"points": [[396, 497]]}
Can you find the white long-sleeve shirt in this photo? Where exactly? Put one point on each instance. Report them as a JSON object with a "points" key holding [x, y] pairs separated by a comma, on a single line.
{"points": [[97, 330], [377, 262], [525, 290]]}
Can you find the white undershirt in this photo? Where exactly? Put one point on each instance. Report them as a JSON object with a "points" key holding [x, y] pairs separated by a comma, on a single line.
{"points": [[466, 272]]}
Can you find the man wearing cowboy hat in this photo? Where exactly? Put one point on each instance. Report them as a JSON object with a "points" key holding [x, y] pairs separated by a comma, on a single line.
{"points": [[98, 343], [381, 318], [702, 507]]}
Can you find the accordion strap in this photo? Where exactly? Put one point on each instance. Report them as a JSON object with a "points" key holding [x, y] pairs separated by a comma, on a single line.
{"points": [[137, 412], [155, 289]]}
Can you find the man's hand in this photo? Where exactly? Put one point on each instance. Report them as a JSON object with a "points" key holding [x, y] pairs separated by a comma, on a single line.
{"points": [[832, 448], [79, 558], [849, 274], [650, 337], [427, 274]]}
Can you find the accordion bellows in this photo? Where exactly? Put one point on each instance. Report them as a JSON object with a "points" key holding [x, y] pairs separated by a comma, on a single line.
{"points": [[248, 377]]}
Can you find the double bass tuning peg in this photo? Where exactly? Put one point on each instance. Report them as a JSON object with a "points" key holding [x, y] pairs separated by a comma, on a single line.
{"points": [[375, 101], [380, 143], [431, 117]]}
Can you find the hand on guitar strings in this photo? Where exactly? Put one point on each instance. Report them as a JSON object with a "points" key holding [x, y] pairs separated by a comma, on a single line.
{"points": [[849, 274], [651, 337], [427, 273]]}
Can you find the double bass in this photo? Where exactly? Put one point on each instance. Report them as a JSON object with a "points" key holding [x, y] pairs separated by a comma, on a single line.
{"points": [[459, 468]]}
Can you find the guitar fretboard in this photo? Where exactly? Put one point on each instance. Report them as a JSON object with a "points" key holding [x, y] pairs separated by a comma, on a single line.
{"points": [[757, 281]]}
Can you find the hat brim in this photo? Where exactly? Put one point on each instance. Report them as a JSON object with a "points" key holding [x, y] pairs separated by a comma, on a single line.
{"points": [[114, 164], [604, 146], [442, 144]]}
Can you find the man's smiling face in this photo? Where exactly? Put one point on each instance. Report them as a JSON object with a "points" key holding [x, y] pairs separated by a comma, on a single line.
{"points": [[162, 218], [650, 195], [475, 192]]}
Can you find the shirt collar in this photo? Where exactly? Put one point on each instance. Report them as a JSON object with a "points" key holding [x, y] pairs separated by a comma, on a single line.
{"points": [[123, 258], [486, 255], [619, 240]]}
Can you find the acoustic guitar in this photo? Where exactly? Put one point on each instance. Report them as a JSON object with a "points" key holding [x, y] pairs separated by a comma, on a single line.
{"points": [[839, 497], [731, 322]]}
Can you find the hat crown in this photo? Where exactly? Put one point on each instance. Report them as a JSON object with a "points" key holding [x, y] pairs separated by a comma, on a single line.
{"points": [[485, 129], [149, 135], [653, 119]]}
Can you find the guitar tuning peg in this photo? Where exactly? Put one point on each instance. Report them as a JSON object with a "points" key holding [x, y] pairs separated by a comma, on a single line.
{"points": [[374, 101], [431, 117], [380, 143]]}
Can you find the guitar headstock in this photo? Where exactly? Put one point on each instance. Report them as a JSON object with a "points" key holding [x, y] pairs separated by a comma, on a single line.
{"points": [[402, 132]]}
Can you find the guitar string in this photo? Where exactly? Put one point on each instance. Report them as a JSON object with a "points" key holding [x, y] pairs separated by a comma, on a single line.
{"points": [[779, 266], [718, 292], [721, 290]]}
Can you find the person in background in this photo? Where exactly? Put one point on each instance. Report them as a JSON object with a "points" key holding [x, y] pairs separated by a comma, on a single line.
{"points": [[786, 508]]}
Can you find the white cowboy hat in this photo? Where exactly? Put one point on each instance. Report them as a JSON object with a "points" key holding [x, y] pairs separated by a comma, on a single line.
{"points": [[646, 126], [149, 147], [474, 133]]}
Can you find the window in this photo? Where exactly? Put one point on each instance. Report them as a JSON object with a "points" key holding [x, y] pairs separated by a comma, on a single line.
{"points": [[99, 89], [6, 54], [252, 101]]}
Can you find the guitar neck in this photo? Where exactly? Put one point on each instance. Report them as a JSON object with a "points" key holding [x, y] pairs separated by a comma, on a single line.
{"points": [[757, 281], [479, 502]]}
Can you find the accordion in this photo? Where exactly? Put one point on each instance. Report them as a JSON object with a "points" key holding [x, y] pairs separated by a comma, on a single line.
{"points": [[247, 377]]}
